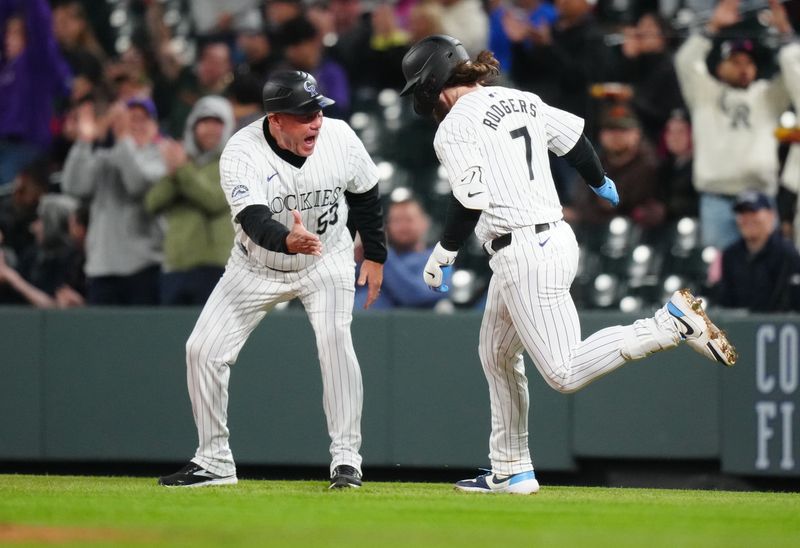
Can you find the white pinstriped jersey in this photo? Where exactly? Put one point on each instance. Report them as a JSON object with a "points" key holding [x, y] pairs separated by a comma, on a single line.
{"points": [[495, 141], [252, 174], [494, 144]]}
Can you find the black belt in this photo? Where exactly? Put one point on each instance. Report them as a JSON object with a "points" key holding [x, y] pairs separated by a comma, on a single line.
{"points": [[505, 240]]}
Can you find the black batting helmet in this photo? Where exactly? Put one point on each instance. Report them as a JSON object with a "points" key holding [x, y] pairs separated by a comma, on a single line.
{"points": [[428, 65], [293, 92]]}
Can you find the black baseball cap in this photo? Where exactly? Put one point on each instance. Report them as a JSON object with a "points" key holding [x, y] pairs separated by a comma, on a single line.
{"points": [[737, 45], [751, 200]]}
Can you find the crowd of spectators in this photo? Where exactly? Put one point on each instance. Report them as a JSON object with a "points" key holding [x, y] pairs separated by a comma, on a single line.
{"points": [[113, 115]]}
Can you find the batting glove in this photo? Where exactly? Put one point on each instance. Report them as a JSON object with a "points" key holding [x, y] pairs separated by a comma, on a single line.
{"points": [[438, 268], [608, 192]]}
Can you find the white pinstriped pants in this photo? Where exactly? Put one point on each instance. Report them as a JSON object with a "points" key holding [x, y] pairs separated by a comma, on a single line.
{"points": [[529, 307], [241, 299]]}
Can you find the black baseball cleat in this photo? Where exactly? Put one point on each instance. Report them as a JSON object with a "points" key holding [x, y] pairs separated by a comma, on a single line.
{"points": [[193, 475], [345, 476]]}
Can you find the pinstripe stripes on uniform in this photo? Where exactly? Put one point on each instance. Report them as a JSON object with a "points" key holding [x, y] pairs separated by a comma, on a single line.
{"points": [[516, 199], [251, 173], [505, 135], [255, 280]]}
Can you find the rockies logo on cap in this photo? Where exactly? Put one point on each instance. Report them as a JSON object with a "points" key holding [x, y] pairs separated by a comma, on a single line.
{"points": [[310, 88]]}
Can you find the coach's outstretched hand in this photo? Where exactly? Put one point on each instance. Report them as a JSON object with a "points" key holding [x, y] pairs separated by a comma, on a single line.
{"points": [[438, 268], [608, 192], [371, 273], [301, 240]]}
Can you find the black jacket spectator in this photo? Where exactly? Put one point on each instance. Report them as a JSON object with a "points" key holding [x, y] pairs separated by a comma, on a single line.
{"points": [[760, 272], [645, 62], [767, 281]]}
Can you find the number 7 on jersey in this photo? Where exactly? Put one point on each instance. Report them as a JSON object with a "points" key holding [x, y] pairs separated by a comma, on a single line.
{"points": [[523, 132]]}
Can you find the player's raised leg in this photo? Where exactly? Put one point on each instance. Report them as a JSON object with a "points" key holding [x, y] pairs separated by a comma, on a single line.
{"points": [[536, 283], [549, 326], [327, 293]]}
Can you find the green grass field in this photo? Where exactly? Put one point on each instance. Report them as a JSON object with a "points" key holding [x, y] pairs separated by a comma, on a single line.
{"points": [[135, 511]]}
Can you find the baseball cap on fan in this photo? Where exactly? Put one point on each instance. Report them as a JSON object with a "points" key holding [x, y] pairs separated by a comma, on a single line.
{"points": [[751, 200], [619, 116], [739, 45], [145, 103]]}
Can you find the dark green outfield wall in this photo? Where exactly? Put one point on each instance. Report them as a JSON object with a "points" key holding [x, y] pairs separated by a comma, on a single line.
{"points": [[109, 384]]}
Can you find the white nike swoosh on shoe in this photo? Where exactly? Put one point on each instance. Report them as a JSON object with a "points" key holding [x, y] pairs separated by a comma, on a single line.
{"points": [[205, 474]]}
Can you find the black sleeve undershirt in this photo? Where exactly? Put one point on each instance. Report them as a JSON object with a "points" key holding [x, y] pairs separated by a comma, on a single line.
{"points": [[585, 161], [366, 217], [258, 224], [460, 222]]}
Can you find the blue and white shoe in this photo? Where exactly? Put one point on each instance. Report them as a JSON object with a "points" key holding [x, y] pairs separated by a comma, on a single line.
{"points": [[699, 332], [523, 483]]}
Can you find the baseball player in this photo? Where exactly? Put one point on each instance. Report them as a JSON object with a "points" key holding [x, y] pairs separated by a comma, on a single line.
{"points": [[493, 142], [291, 182]]}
